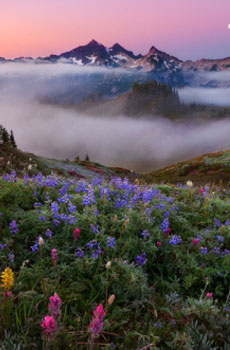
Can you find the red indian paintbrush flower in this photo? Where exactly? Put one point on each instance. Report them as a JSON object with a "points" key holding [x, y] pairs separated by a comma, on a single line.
{"points": [[76, 234], [54, 255], [97, 323], [49, 326], [209, 295], [55, 306], [195, 242]]}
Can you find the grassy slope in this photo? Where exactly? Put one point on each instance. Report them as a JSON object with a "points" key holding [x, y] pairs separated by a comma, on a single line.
{"points": [[212, 168], [14, 159], [208, 168]]}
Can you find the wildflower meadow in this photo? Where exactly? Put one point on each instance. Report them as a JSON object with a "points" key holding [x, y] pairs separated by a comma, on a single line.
{"points": [[109, 263]]}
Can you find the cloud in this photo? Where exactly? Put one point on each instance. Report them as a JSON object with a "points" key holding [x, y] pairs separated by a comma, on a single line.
{"points": [[205, 96], [58, 132]]}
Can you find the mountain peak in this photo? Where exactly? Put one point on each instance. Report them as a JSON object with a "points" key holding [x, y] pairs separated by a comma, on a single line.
{"points": [[117, 49], [117, 46], [153, 50], [94, 43], [165, 56]]}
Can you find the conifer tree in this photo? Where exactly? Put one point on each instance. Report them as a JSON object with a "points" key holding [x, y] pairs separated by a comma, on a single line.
{"points": [[5, 136], [12, 140]]}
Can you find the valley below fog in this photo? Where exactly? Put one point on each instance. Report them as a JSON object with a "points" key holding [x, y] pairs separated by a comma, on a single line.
{"points": [[142, 144]]}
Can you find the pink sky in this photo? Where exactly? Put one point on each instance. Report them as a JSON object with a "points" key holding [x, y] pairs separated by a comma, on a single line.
{"points": [[188, 29]]}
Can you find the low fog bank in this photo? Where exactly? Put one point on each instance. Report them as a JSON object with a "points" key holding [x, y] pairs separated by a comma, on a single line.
{"points": [[141, 145], [56, 132], [205, 96]]}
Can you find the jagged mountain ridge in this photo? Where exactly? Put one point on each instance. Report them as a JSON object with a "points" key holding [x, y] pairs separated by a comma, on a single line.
{"points": [[96, 54]]}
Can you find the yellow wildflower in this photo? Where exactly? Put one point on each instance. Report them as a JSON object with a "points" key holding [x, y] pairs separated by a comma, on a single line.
{"points": [[7, 279]]}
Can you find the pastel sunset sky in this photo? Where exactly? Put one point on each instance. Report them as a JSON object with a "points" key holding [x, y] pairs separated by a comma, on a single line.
{"points": [[188, 29]]}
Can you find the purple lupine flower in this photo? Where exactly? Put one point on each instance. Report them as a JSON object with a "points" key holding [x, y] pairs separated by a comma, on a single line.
{"points": [[145, 234], [199, 237], [216, 250], [94, 228], [55, 209], [225, 252], [141, 259], [175, 240], [49, 233], [13, 227], [220, 239], [11, 257], [56, 223], [204, 250], [80, 253], [158, 324], [165, 225], [35, 247], [217, 223], [111, 242]]}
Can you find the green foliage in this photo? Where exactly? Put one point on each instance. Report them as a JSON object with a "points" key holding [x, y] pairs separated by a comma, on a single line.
{"points": [[161, 302]]}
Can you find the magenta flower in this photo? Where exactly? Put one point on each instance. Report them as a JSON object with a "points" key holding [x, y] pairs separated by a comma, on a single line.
{"points": [[49, 326], [159, 243], [97, 323], [201, 190], [209, 295], [7, 294], [54, 255], [195, 242], [76, 234], [169, 230], [55, 306]]}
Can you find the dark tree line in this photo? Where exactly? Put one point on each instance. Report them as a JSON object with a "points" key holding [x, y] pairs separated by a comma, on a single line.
{"points": [[7, 138], [152, 98]]}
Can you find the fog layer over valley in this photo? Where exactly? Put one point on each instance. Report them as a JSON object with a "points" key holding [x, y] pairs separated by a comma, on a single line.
{"points": [[57, 132]]}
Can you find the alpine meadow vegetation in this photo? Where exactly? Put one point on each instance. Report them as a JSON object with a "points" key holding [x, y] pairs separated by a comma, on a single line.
{"points": [[109, 263]]}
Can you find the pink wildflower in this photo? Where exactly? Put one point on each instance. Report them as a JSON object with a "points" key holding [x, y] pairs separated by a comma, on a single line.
{"points": [[49, 326], [55, 306], [54, 255], [97, 323], [7, 294], [209, 295], [201, 190], [159, 243], [169, 230], [195, 242], [76, 234]]}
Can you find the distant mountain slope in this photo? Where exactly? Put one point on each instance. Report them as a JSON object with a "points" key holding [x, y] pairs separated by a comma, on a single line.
{"points": [[207, 65], [211, 168]]}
